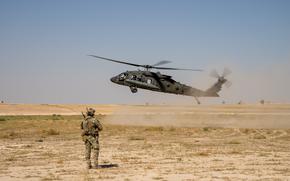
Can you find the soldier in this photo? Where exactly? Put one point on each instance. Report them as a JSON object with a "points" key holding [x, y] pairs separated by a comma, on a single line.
{"points": [[90, 133]]}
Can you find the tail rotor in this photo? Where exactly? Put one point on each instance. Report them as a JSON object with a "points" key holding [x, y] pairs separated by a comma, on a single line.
{"points": [[226, 72], [222, 77]]}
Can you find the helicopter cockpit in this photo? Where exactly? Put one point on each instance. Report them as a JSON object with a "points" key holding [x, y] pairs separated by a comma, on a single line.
{"points": [[119, 78], [122, 76]]}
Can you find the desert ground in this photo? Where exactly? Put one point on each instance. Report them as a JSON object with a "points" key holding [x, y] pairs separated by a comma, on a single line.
{"points": [[153, 142]]}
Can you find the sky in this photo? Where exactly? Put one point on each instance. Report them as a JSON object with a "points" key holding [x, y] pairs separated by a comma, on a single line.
{"points": [[44, 47]]}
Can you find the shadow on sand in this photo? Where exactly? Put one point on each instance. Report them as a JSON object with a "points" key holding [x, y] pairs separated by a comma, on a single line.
{"points": [[108, 165]]}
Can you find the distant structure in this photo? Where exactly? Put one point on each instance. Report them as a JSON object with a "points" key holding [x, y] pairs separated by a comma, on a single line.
{"points": [[240, 102], [262, 101], [223, 102]]}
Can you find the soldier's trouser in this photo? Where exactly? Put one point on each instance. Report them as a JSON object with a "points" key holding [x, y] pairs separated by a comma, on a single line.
{"points": [[92, 145]]}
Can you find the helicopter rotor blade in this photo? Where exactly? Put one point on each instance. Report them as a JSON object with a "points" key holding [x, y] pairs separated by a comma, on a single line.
{"points": [[168, 68], [117, 61], [161, 63], [147, 67], [228, 84]]}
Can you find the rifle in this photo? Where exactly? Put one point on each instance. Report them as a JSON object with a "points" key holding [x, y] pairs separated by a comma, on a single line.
{"points": [[84, 115], [83, 131]]}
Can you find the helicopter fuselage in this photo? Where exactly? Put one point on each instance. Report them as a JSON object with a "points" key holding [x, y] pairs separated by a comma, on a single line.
{"points": [[155, 81]]}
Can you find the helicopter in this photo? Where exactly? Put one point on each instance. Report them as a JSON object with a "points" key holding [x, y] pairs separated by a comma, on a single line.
{"points": [[155, 81]]}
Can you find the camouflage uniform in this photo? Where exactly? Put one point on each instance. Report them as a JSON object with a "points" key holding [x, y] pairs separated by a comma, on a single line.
{"points": [[90, 133]]}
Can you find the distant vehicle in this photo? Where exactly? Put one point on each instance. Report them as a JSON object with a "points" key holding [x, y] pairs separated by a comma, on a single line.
{"points": [[155, 81]]}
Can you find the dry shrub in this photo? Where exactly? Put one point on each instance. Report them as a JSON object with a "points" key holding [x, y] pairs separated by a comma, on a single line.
{"points": [[136, 138], [205, 129], [5, 136], [246, 130], [49, 154], [259, 136], [149, 167], [203, 153], [106, 177], [11, 158], [264, 154], [27, 146], [157, 178], [60, 162], [154, 129], [51, 132], [234, 142], [235, 152], [57, 117], [10, 135], [269, 132], [50, 177], [172, 129]]}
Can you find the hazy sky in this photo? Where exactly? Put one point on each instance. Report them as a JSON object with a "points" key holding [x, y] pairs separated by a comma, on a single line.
{"points": [[44, 47]]}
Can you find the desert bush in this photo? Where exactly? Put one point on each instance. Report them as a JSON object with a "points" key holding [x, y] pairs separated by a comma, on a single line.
{"points": [[136, 138], [2, 119], [235, 152], [172, 129], [203, 154], [11, 158], [51, 132], [157, 178], [205, 129], [154, 129], [259, 136], [245, 131], [262, 101], [56, 117], [10, 134], [234, 142]]}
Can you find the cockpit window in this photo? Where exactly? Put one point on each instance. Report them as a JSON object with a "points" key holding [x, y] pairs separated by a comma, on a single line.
{"points": [[122, 77]]}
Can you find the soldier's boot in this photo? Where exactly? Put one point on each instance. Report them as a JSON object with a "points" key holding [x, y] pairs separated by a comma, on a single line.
{"points": [[95, 164], [89, 166]]}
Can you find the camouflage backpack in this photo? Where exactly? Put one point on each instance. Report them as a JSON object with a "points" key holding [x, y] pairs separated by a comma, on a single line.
{"points": [[89, 126]]}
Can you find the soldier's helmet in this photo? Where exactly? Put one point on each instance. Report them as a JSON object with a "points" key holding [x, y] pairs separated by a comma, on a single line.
{"points": [[91, 112]]}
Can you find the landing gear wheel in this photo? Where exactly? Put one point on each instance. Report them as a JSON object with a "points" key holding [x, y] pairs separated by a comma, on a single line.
{"points": [[133, 89]]}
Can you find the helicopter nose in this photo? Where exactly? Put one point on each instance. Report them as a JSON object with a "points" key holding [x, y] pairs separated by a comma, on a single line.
{"points": [[113, 79]]}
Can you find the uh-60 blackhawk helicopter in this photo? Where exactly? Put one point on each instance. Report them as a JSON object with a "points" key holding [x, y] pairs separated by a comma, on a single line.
{"points": [[155, 81]]}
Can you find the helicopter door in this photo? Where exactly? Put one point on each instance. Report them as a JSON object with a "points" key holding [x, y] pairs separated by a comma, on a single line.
{"points": [[133, 77]]}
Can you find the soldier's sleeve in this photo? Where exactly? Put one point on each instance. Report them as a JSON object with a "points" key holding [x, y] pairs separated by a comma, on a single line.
{"points": [[99, 125], [83, 131]]}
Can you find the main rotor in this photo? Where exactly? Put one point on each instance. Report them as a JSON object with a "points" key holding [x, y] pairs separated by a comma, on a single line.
{"points": [[147, 67]]}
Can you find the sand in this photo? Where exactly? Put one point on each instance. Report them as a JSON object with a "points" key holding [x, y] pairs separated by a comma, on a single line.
{"points": [[222, 142]]}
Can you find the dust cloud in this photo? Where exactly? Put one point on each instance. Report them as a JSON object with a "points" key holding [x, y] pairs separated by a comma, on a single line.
{"points": [[249, 84], [224, 116]]}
